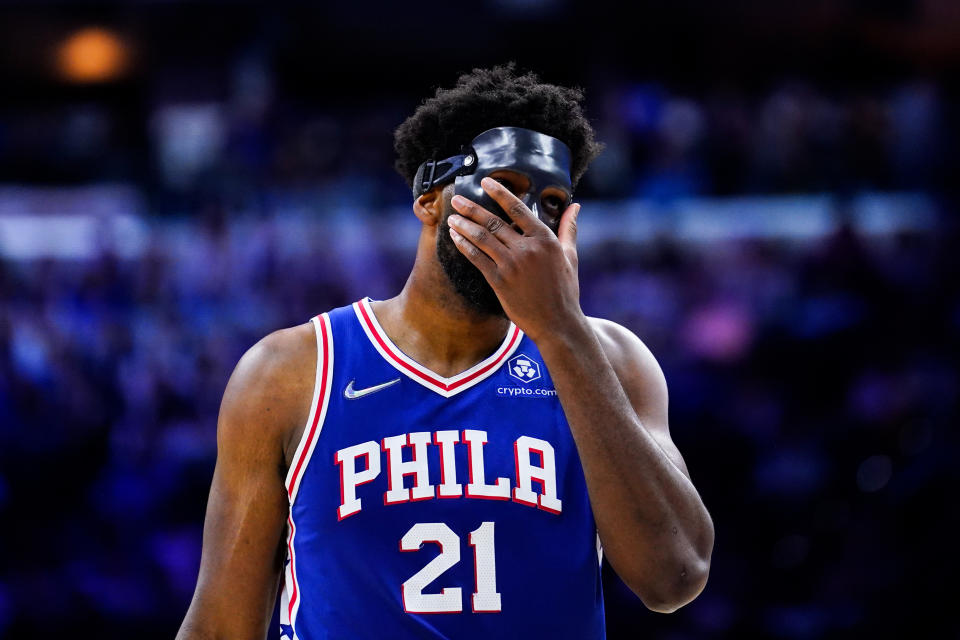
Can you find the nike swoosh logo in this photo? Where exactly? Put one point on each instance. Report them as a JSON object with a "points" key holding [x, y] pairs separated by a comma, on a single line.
{"points": [[352, 394]]}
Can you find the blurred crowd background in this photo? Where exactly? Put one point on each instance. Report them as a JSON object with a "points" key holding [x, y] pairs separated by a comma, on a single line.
{"points": [[774, 214]]}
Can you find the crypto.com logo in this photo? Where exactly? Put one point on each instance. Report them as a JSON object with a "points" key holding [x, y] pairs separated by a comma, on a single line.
{"points": [[524, 368]]}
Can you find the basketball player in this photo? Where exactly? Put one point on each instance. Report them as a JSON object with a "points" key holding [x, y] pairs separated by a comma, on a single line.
{"points": [[451, 462]]}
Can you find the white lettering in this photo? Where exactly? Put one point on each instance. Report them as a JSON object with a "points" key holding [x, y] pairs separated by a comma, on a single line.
{"points": [[417, 467], [545, 474], [350, 478], [478, 487], [449, 487], [535, 462]]}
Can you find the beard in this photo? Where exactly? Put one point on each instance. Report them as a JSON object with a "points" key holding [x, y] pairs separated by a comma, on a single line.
{"points": [[467, 280]]}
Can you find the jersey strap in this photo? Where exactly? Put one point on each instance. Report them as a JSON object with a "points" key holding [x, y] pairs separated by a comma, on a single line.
{"points": [[323, 384]]}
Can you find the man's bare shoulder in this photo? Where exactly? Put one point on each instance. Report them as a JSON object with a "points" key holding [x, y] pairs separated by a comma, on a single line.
{"points": [[636, 367], [622, 346], [268, 395], [283, 353]]}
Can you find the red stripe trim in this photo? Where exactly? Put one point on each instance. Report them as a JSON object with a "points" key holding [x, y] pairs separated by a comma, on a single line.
{"points": [[317, 410], [513, 340], [293, 571], [420, 374], [383, 345]]}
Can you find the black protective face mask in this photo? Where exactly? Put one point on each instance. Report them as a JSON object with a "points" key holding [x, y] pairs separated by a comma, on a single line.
{"points": [[542, 159]]}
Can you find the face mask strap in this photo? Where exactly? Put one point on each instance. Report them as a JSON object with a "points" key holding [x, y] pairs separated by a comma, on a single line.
{"points": [[433, 173]]}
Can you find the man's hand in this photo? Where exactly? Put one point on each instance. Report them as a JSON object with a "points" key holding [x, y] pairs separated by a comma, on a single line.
{"points": [[655, 530], [533, 272]]}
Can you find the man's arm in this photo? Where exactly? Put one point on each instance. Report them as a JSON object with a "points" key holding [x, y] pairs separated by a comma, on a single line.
{"points": [[655, 530], [266, 400]]}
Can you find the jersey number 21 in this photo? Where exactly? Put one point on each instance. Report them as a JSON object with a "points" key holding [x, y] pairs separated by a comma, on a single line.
{"points": [[450, 599]]}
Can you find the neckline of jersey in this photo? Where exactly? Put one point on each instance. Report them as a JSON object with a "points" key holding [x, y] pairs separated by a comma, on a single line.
{"points": [[442, 385]]}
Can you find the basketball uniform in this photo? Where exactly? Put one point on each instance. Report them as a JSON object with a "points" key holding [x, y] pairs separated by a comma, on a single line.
{"points": [[431, 507]]}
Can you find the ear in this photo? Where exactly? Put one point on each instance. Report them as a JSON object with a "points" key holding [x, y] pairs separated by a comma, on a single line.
{"points": [[429, 207]]}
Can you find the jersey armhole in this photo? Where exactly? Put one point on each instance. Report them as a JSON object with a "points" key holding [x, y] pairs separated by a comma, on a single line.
{"points": [[318, 406]]}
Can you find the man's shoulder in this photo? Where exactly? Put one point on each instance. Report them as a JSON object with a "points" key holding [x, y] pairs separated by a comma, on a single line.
{"points": [[271, 387], [283, 349], [626, 351], [614, 336]]}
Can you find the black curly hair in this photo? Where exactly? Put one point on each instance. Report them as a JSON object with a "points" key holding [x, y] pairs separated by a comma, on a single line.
{"points": [[488, 98]]}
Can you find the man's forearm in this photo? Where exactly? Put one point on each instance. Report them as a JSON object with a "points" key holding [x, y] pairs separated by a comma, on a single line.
{"points": [[655, 530]]}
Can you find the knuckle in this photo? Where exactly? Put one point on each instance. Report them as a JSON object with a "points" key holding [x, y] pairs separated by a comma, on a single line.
{"points": [[518, 209], [479, 234], [494, 224]]}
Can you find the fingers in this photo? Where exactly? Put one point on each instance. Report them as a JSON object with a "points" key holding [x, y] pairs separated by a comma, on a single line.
{"points": [[518, 212], [477, 257], [492, 223], [567, 232], [481, 237]]}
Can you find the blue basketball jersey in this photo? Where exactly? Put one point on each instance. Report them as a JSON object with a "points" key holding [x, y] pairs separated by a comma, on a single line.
{"points": [[432, 507]]}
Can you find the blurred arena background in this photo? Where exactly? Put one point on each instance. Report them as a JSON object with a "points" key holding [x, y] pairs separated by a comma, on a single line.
{"points": [[774, 214]]}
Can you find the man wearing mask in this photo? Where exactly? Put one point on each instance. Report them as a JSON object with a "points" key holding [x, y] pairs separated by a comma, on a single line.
{"points": [[451, 462]]}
